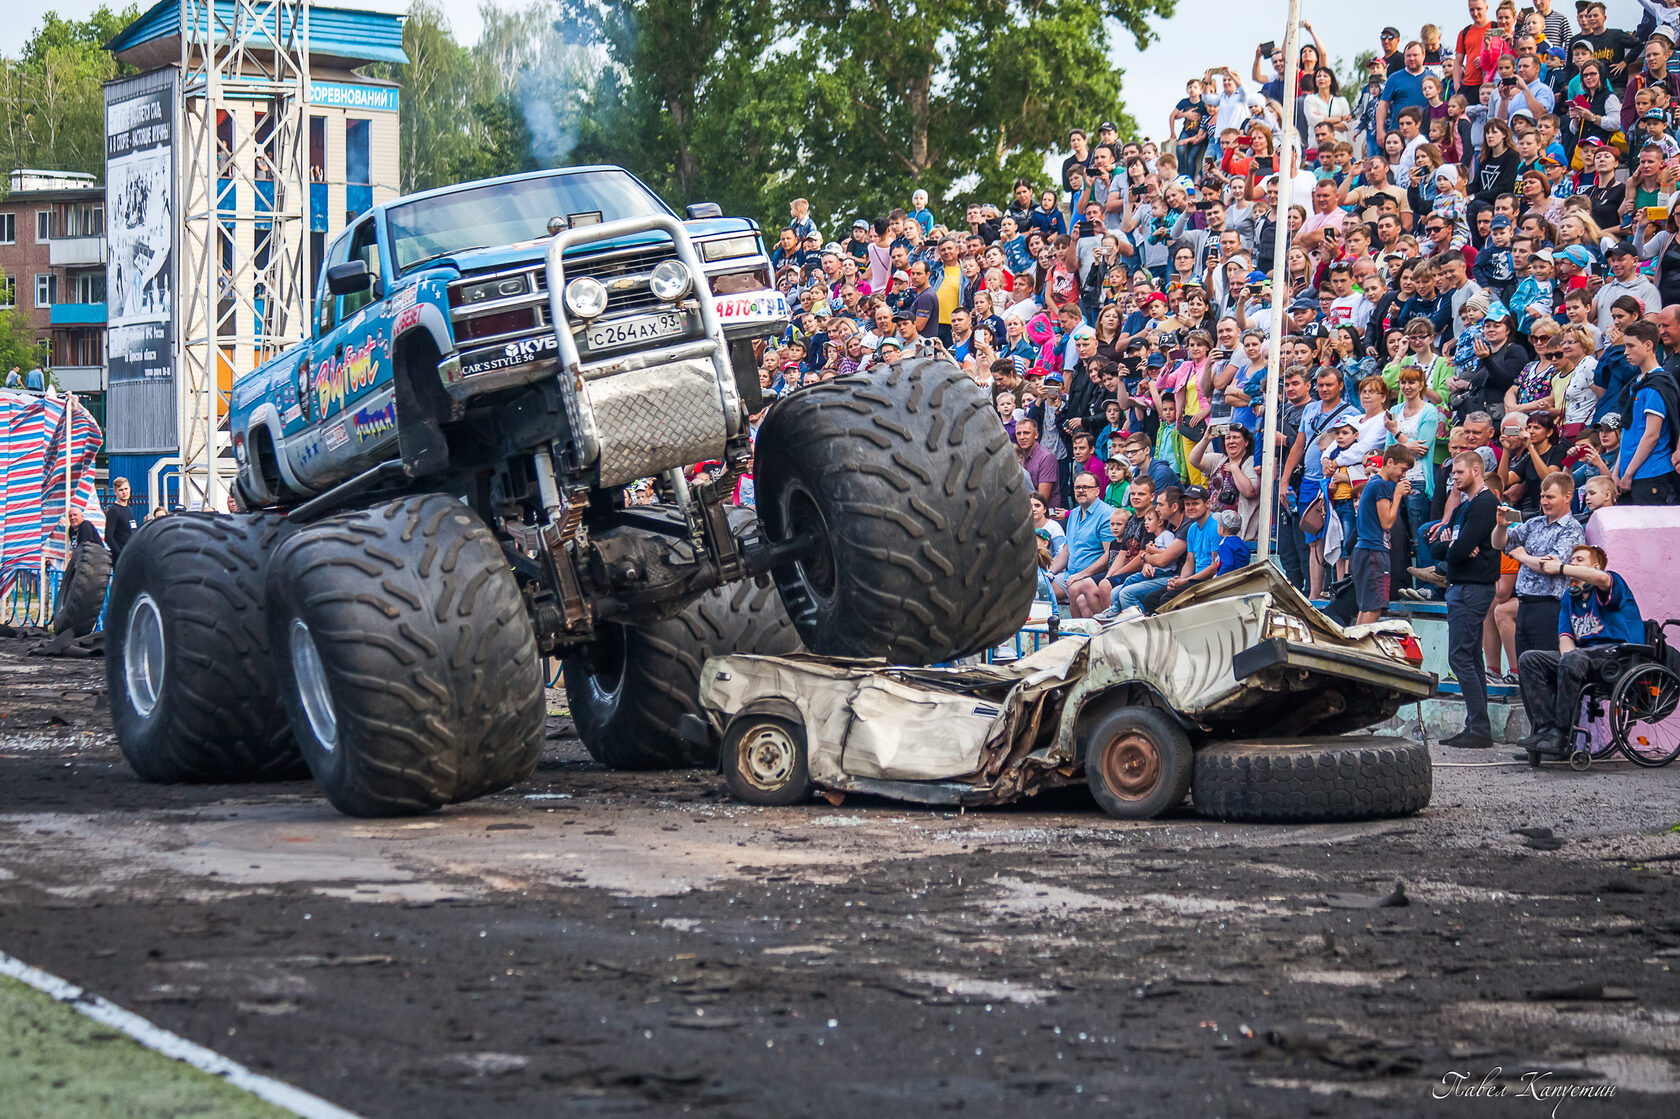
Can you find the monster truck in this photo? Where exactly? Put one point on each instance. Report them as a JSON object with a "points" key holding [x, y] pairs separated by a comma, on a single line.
{"points": [[435, 489]]}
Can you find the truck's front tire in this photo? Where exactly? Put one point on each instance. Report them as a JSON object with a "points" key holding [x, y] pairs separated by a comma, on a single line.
{"points": [[910, 486], [629, 701], [407, 662], [186, 653]]}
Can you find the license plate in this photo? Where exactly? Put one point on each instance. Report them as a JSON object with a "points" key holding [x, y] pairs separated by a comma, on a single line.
{"points": [[640, 329]]}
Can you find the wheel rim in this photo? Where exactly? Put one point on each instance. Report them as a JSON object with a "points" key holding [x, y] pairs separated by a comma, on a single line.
{"points": [[606, 673], [1131, 766], [1645, 699], [802, 515], [312, 686], [144, 655], [768, 756]]}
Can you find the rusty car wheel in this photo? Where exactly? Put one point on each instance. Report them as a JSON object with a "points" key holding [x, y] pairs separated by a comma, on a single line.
{"points": [[1138, 762], [764, 760]]}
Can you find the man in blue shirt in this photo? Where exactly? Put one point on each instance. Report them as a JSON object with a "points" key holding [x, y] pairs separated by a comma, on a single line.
{"points": [[1598, 613], [1200, 533], [1403, 88], [1090, 536], [1644, 471]]}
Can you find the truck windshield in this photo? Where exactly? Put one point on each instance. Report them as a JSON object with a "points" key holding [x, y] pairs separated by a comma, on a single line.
{"points": [[505, 213]]}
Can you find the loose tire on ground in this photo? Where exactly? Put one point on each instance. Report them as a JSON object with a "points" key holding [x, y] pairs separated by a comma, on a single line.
{"points": [[629, 704], [1364, 777], [186, 655], [403, 652], [81, 593], [765, 761], [912, 486], [1137, 762]]}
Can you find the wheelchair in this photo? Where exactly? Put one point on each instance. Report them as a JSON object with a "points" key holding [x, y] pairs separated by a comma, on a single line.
{"points": [[1626, 704]]}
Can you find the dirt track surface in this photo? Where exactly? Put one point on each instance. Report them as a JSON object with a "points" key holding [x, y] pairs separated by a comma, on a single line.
{"points": [[639, 944]]}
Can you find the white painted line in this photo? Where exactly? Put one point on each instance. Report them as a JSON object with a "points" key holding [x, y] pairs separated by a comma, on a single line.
{"points": [[155, 1037]]}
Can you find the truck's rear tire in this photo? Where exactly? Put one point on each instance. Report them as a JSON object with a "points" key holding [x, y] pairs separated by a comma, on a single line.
{"points": [[911, 488], [405, 657], [186, 655], [629, 702], [81, 593]]}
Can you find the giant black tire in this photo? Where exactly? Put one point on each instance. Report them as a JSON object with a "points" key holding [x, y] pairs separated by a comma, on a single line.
{"points": [[912, 490], [629, 704], [1360, 777], [405, 657], [81, 593], [186, 653]]}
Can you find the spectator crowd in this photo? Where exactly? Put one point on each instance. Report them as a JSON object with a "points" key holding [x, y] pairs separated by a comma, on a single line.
{"points": [[1483, 259]]}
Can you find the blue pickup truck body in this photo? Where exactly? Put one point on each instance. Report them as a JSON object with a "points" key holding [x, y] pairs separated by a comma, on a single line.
{"points": [[327, 409]]}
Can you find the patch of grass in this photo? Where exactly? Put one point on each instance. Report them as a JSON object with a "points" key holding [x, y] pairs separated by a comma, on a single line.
{"points": [[54, 1063]]}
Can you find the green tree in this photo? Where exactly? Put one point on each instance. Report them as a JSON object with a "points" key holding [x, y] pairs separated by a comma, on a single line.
{"points": [[437, 86], [52, 105], [17, 343], [853, 105], [691, 97]]}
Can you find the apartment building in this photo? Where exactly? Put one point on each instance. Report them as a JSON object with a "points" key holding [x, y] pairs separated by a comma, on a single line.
{"points": [[52, 252]]}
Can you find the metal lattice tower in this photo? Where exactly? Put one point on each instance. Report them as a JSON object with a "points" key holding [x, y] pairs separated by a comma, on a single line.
{"points": [[244, 191]]}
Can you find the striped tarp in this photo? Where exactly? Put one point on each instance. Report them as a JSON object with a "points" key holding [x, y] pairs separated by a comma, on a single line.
{"points": [[33, 432]]}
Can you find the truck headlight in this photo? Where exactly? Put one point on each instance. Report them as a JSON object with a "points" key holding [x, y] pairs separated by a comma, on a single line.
{"points": [[586, 297], [671, 281], [726, 247]]}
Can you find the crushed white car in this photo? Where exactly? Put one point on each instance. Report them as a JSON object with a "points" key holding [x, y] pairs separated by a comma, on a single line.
{"points": [[1144, 710]]}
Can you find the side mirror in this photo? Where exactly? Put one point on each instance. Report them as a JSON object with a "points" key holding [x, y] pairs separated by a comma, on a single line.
{"points": [[349, 278], [698, 210]]}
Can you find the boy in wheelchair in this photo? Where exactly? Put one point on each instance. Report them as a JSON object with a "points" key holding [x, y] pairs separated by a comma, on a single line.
{"points": [[1597, 617]]}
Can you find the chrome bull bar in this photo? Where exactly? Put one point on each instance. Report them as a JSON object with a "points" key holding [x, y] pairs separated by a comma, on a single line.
{"points": [[664, 377]]}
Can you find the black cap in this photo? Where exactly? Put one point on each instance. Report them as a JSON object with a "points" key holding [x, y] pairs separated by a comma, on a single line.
{"points": [[1195, 493], [1108, 126], [1621, 248]]}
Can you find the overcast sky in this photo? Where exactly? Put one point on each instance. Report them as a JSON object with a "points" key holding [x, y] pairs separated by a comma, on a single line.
{"points": [[1204, 33]]}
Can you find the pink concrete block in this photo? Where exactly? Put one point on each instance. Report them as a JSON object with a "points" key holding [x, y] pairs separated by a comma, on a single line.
{"points": [[1643, 543]]}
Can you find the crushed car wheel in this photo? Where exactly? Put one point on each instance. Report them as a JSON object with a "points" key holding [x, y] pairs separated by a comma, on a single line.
{"points": [[764, 759], [81, 593], [186, 655], [630, 700], [909, 489], [1137, 762], [1360, 777], [407, 662]]}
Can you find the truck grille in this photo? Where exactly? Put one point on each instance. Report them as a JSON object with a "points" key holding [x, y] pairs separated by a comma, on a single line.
{"points": [[625, 274]]}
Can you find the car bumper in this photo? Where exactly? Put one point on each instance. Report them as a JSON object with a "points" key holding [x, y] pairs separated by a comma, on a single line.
{"points": [[1344, 664]]}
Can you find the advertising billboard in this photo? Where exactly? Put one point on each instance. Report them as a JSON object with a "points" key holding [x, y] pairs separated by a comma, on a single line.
{"points": [[140, 221]]}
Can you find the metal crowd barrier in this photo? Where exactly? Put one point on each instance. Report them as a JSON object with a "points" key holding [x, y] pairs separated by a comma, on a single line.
{"points": [[25, 604]]}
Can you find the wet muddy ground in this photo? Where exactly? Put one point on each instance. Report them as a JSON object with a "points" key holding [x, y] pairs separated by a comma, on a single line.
{"points": [[639, 944]]}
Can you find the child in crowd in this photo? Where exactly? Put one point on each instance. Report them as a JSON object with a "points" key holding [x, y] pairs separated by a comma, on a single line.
{"points": [[1344, 471], [1233, 551], [1113, 428], [1119, 478], [1493, 270], [1379, 506], [1533, 298], [1599, 492]]}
